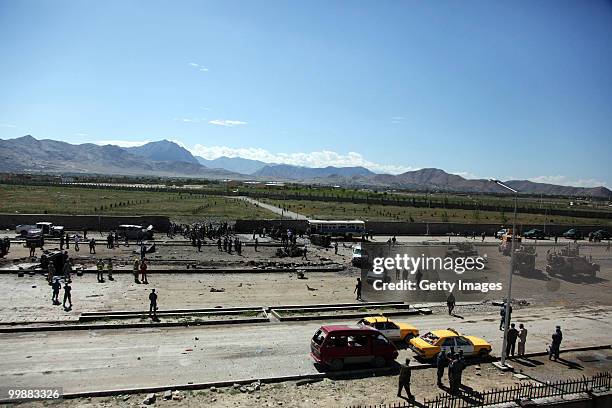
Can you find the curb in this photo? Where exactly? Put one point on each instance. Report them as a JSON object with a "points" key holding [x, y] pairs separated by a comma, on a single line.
{"points": [[269, 380], [190, 270], [129, 325], [340, 317]]}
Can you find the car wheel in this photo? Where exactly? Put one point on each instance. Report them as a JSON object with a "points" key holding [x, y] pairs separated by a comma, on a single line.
{"points": [[336, 364], [483, 353], [409, 337], [379, 362]]}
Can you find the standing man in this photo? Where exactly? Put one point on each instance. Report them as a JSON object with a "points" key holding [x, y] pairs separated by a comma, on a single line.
{"points": [[153, 304], [143, 272], [441, 363], [450, 302], [511, 340], [92, 246], [404, 379], [256, 243], [358, 289], [336, 248], [199, 245], [305, 253], [67, 295], [136, 270], [100, 268], [556, 344], [522, 335], [56, 289], [62, 241], [109, 268]]}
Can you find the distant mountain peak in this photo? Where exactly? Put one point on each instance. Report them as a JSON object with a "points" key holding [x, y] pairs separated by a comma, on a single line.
{"points": [[163, 150]]}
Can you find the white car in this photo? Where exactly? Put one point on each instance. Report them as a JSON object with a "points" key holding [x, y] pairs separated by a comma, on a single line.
{"points": [[500, 233]]}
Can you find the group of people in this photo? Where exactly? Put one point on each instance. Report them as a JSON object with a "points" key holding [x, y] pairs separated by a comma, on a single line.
{"points": [[228, 244], [101, 267], [456, 364]]}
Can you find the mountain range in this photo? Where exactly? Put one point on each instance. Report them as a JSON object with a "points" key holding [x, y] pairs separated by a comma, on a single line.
{"points": [[166, 158]]}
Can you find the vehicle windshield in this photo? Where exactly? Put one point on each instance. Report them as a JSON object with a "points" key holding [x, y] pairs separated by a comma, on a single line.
{"points": [[430, 338], [357, 251], [319, 337]]}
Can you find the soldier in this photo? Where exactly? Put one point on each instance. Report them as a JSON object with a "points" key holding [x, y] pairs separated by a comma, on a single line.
{"points": [[404, 379], [441, 363], [136, 270], [109, 268], [153, 304], [143, 272], [100, 268], [67, 271], [358, 289]]}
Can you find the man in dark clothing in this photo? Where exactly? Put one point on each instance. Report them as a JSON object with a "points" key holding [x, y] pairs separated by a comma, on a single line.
{"points": [[553, 352], [441, 363], [502, 314], [62, 242], [56, 289], [67, 295], [153, 304], [511, 340], [358, 289], [450, 302], [461, 365], [199, 245], [404, 379], [256, 243], [92, 246]]}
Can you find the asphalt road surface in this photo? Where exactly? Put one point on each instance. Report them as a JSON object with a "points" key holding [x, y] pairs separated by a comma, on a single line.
{"points": [[126, 358]]}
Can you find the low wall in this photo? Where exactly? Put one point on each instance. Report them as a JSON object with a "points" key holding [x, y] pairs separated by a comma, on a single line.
{"points": [[80, 222], [411, 228]]}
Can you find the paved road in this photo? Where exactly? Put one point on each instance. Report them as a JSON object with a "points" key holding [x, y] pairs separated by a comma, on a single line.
{"points": [[118, 359], [276, 210]]}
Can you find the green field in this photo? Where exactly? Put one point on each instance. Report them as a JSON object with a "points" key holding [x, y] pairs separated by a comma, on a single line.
{"points": [[70, 200], [335, 210]]}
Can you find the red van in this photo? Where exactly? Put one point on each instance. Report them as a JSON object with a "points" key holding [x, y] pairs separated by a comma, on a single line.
{"points": [[335, 346]]}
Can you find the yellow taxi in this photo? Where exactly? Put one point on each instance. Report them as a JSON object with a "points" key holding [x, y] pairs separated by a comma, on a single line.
{"points": [[431, 343], [392, 330]]}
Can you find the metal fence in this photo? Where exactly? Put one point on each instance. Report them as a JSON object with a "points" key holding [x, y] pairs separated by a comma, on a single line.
{"points": [[469, 398]]}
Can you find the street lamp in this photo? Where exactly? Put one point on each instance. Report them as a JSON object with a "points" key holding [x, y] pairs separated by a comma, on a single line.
{"points": [[510, 273]]}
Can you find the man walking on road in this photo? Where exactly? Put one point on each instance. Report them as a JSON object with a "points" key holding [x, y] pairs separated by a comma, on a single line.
{"points": [[404, 379], [67, 295], [153, 304], [358, 289], [450, 302], [511, 340], [522, 340]]}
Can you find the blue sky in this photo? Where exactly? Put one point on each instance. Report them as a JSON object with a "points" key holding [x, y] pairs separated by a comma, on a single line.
{"points": [[483, 88]]}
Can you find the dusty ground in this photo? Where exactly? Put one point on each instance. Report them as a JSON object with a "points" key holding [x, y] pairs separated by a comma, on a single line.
{"points": [[371, 390]]}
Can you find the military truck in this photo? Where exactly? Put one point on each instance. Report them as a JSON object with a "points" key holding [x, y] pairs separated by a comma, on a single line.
{"points": [[568, 263]]}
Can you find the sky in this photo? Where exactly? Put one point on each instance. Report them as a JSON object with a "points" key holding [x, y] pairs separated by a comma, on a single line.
{"points": [[509, 90]]}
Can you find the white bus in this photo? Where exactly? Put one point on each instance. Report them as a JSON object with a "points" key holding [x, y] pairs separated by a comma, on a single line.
{"points": [[337, 227]]}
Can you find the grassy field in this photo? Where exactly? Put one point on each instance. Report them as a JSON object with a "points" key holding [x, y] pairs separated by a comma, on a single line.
{"points": [[70, 200], [334, 210]]}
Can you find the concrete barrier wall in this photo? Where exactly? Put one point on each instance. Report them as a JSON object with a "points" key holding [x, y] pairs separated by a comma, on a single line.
{"points": [[412, 228], [80, 222]]}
